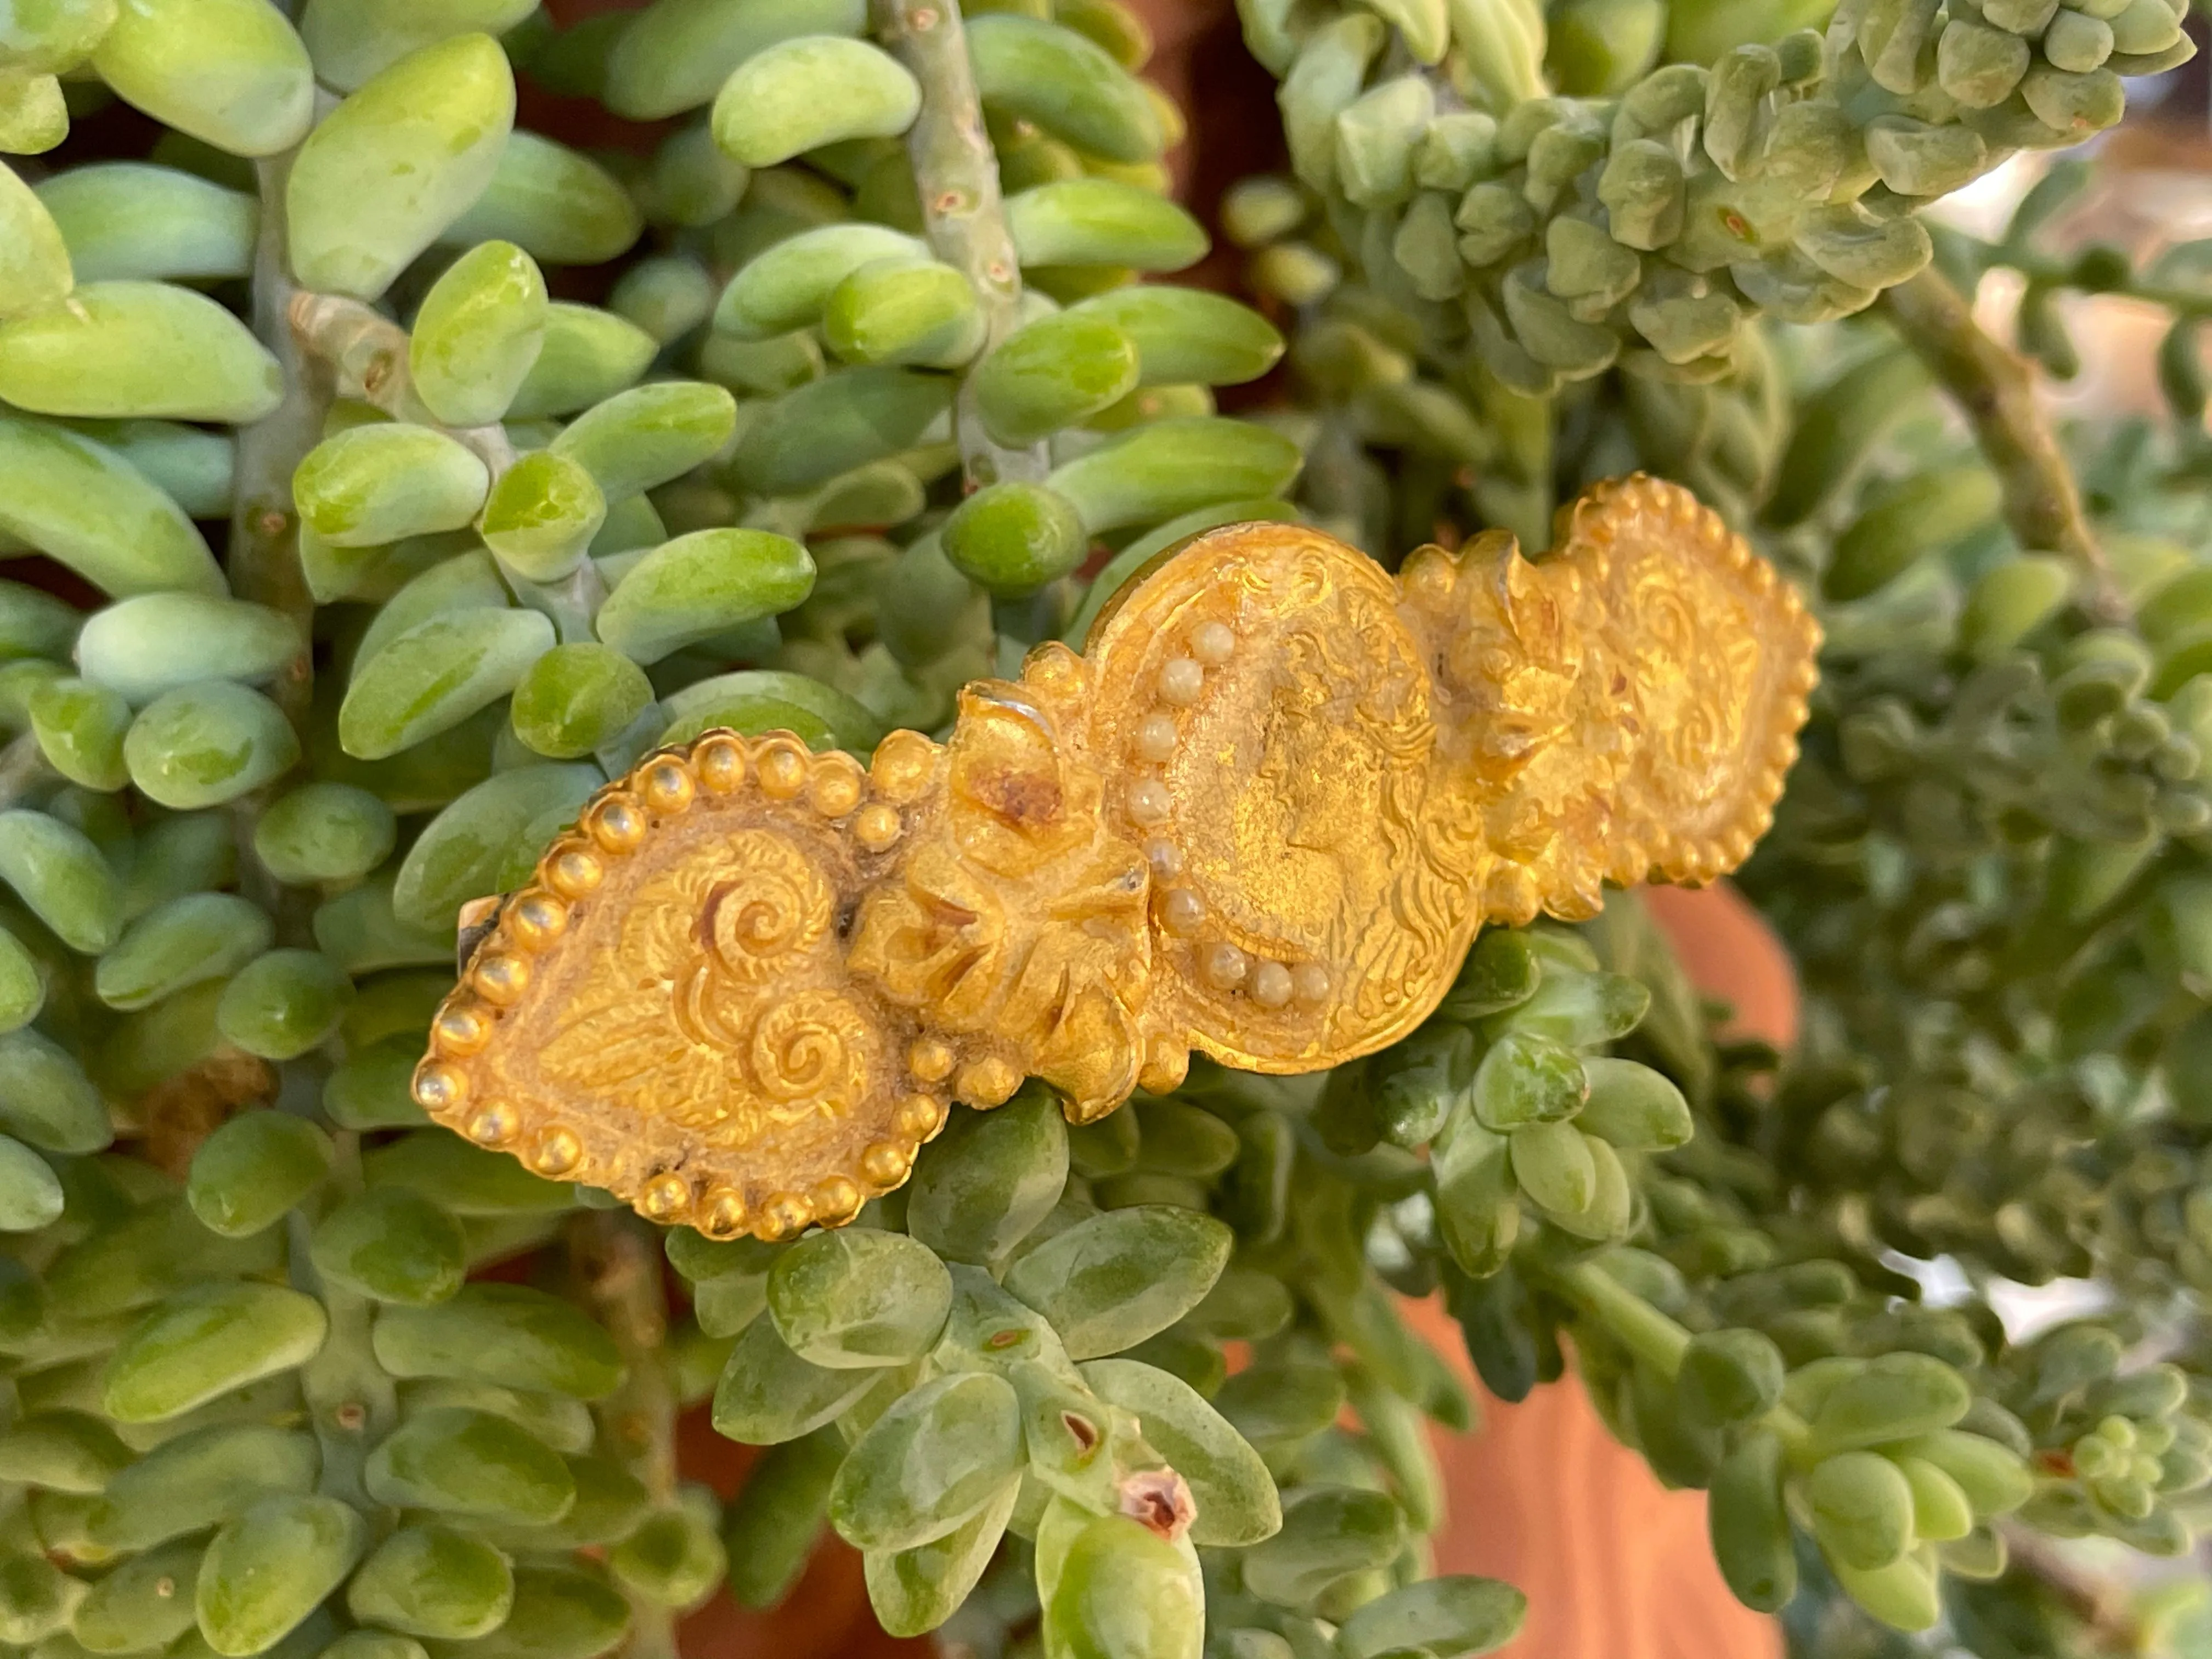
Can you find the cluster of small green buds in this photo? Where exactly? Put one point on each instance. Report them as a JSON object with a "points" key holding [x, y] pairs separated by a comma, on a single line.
{"points": [[2119, 1449], [273, 1411], [1519, 1121], [235, 76], [1891, 1464], [1989, 850], [2120, 1469], [1815, 1408], [1902, 1472], [2152, 1224], [1643, 219], [894, 300]]}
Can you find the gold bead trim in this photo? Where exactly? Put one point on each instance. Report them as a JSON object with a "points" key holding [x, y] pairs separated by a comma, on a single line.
{"points": [[614, 825]]}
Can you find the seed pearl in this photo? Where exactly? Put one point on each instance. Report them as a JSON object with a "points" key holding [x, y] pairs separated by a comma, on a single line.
{"points": [[1271, 985], [920, 1116], [990, 1081], [616, 824], [1149, 802], [784, 1215], [904, 764], [835, 789], [1226, 966], [1212, 643], [440, 1088], [1181, 682], [782, 773], [1156, 738], [574, 873], [1310, 982], [719, 761], [501, 979], [837, 1199], [538, 920], [1183, 910], [668, 787], [1166, 858]]}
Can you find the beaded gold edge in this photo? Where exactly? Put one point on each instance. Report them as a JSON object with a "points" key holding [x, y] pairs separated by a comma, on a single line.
{"points": [[1261, 816]]}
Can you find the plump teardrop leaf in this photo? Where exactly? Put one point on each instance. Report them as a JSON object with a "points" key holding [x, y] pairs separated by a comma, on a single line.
{"points": [[1111, 1281], [255, 1168], [504, 1334], [798, 94], [859, 1297], [768, 1394], [70, 497], [989, 1179], [435, 1582], [387, 171], [459, 1460], [1237, 1503], [230, 72], [205, 1341], [268, 1569], [936, 1456], [133, 349]]}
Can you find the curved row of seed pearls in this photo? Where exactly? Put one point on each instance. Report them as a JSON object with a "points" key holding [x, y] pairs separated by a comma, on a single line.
{"points": [[613, 827], [1225, 967]]}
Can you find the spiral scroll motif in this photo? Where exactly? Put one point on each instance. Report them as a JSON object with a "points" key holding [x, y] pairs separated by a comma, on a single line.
{"points": [[811, 1054], [775, 908]]}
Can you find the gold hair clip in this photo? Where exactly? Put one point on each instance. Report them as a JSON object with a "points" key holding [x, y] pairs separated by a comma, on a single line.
{"points": [[1261, 815]]}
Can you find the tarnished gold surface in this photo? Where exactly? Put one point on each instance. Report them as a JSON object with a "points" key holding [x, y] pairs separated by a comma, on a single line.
{"points": [[1261, 818]]}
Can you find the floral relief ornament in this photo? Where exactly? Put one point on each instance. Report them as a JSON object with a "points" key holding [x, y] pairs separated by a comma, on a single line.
{"points": [[1261, 815]]}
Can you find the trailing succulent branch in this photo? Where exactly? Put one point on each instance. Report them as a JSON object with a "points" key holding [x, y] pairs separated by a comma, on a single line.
{"points": [[391, 559], [1995, 389]]}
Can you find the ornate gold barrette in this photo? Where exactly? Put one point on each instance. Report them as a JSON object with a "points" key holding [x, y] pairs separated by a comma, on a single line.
{"points": [[1261, 815]]}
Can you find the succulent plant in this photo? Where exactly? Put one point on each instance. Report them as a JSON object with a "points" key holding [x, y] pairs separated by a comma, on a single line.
{"points": [[361, 560]]}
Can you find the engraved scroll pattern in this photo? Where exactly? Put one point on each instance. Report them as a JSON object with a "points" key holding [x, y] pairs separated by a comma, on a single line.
{"points": [[717, 1011]]}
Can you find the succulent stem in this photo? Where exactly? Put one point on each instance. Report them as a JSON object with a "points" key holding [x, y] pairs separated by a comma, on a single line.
{"points": [[956, 174], [265, 529], [1649, 1334], [368, 354], [1995, 390], [352, 1399], [617, 1275]]}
